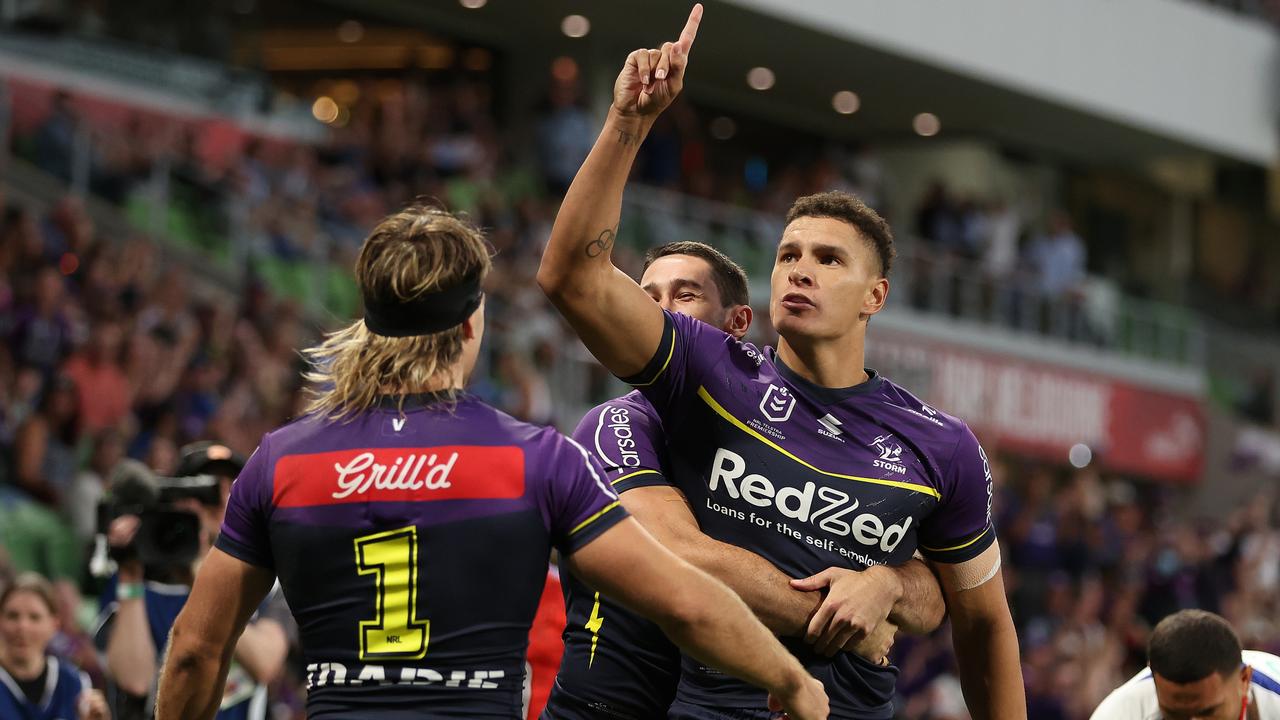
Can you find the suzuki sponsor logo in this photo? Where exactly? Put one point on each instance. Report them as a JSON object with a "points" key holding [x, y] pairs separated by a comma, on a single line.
{"points": [[830, 426], [615, 429], [890, 455], [824, 507], [361, 474], [777, 404]]}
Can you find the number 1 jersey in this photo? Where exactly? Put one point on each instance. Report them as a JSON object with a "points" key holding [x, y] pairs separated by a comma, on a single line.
{"points": [[412, 548]]}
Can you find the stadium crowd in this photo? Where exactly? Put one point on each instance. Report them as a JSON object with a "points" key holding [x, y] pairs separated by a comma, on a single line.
{"points": [[111, 352]]}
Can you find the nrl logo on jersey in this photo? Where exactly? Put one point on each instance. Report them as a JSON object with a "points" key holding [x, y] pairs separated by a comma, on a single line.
{"points": [[890, 455], [777, 404]]}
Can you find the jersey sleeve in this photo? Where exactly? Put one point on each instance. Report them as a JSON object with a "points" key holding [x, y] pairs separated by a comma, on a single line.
{"points": [[245, 533], [577, 502], [961, 528], [626, 438], [688, 351]]}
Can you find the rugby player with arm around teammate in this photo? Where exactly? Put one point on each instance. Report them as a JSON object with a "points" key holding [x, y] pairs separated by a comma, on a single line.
{"points": [[829, 278], [619, 665], [409, 523]]}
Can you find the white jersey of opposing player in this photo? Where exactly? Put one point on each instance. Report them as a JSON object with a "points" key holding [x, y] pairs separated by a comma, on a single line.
{"points": [[1136, 699]]}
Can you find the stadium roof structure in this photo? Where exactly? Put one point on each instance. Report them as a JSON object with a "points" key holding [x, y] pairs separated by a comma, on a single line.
{"points": [[1098, 97]]}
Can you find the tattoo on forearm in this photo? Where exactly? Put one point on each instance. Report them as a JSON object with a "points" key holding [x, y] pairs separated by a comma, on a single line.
{"points": [[626, 138], [602, 243]]}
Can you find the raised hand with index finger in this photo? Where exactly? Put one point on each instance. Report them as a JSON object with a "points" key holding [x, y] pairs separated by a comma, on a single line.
{"points": [[652, 78]]}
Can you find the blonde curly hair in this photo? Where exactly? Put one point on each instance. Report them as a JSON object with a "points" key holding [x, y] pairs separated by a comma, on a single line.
{"points": [[419, 250]]}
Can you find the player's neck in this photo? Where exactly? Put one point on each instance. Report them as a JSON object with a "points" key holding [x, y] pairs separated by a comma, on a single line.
{"points": [[835, 364], [453, 379]]}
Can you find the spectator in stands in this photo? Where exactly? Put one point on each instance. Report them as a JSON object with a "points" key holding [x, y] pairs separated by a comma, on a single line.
{"points": [[1000, 244], [45, 447], [42, 332], [103, 387], [1058, 258], [937, 221], [1258, 403], [55, 139], [34, 684], [80, 505], [564, 135]]}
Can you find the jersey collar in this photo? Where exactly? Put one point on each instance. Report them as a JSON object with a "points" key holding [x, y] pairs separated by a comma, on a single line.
{"points": [[416, 401], [827, 395]]}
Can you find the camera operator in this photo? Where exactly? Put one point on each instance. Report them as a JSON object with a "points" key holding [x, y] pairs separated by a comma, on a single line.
{"points": [[159, 530]]}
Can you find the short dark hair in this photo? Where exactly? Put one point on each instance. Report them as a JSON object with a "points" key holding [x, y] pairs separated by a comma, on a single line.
{"points": [[1190, 645], [731, 279], [849, 208]]}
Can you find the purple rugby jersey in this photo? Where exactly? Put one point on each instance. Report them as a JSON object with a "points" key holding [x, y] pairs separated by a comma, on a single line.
{"points": [[412, 549], [615, 663], [809, 478]]}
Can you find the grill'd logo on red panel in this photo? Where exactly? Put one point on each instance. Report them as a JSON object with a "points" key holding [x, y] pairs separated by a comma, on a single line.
{"points": [[453, 472]]}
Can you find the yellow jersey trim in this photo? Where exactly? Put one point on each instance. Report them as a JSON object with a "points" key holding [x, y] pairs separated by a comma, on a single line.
{"points": [[670, 353], [706, 397], [961, 546], [631, 475], [594, 517]]}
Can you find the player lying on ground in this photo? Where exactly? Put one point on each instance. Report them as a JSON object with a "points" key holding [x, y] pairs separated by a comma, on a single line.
{"points": [[1198, 671], [410, 523], [800, 455], [622, 665]]}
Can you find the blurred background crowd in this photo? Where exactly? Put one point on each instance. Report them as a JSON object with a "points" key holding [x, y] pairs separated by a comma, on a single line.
{"points": [[161, 266]]}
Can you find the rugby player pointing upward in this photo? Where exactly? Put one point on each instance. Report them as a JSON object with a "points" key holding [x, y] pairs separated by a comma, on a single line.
{"points": [[618, 665], [799, 455], [409, 523]]}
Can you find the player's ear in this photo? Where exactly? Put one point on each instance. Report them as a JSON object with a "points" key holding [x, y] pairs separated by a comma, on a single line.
{"points": [[876, 296], [473, 326], [739, 321]]}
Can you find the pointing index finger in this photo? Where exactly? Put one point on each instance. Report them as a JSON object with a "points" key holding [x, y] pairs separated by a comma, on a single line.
{"points": [[690, 31]]}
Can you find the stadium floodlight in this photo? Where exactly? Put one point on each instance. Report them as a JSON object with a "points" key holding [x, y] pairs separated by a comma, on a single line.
{"points": [[1080, 455], [324, 109], [350, 31], [723, 128], [760, 78], [846, 102], [926, 124], [575, 26]]}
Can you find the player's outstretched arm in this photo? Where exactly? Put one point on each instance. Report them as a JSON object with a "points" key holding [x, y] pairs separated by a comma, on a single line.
{"points": [[984, 636], [616, 320], [698, 613], [226, 593]]}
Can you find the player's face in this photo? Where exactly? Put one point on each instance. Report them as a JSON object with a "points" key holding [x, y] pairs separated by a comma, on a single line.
{"points": [[826, 281], [1216, 697], [26, 626], [685, 284]]}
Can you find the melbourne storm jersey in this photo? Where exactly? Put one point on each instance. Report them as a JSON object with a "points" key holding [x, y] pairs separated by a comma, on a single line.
{"points": [[809, 478], [412, 550], [615, 663]]}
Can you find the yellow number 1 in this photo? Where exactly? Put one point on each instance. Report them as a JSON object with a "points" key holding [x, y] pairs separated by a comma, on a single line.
{"points": [[395, 632]]}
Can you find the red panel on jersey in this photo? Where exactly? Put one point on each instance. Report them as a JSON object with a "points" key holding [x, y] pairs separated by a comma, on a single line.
{"points": [[452, 472]]}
